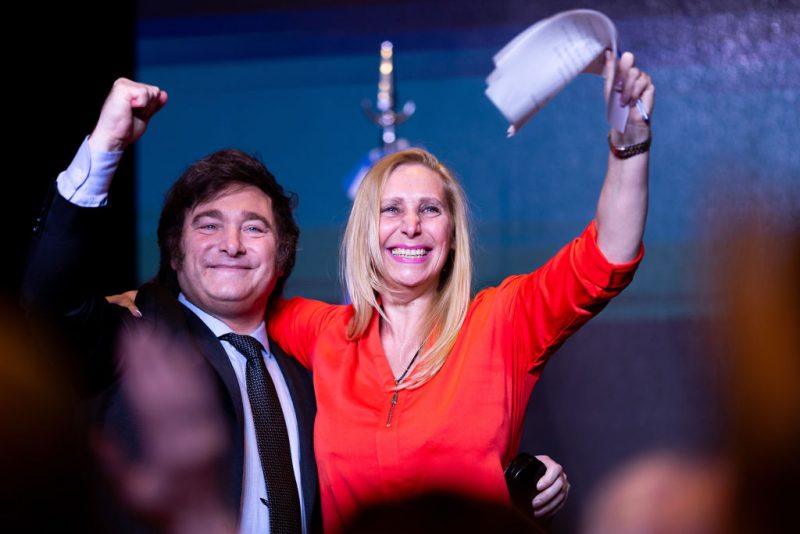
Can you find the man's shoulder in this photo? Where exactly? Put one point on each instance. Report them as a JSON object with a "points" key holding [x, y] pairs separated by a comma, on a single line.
{"points": [[157, 302], [162, 310]]}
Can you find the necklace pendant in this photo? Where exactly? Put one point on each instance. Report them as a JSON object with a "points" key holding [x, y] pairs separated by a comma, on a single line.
{"points": [[391, 408], [397, 382]]}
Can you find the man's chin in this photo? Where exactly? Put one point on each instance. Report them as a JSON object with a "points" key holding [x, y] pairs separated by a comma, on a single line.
{"points": [[243, 296]]}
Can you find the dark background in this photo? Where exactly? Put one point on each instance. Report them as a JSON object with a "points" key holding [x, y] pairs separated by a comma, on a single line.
{"points": [[60, 65]]}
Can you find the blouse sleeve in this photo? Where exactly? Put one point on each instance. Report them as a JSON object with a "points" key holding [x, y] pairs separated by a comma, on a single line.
{"points": [[551, 303], [295, 324]]}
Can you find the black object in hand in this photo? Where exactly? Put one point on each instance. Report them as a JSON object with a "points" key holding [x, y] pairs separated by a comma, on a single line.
{"points": [[522, 474]]}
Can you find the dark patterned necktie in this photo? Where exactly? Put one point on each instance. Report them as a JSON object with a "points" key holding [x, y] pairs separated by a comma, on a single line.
{"points": [[271, 437]]}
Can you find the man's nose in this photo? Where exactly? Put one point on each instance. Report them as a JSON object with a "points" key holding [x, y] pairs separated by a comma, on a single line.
{"points": [[231, 242]]}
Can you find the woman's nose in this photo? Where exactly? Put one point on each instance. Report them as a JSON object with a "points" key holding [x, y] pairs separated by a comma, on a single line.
{"points": [[411, 223]]}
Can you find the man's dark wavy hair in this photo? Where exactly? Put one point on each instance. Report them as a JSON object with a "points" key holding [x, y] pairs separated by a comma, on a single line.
{"points": [[207, 179]]}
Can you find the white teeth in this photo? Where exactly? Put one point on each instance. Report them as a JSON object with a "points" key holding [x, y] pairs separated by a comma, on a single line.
{"points": [[409, 252]]}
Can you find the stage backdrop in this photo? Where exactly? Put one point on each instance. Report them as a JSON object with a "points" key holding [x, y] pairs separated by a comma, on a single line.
{"points": [[287, 82]]}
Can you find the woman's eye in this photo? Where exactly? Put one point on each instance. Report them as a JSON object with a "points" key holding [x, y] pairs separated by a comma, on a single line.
{"points": [[431, 210], [390, 210]]}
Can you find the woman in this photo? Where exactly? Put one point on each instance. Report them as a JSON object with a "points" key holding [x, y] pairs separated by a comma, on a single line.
{"points": [[418, 387]]}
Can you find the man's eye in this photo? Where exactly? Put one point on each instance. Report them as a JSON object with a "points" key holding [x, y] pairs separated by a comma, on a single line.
{"points": [[209, 227], [254, 230]]}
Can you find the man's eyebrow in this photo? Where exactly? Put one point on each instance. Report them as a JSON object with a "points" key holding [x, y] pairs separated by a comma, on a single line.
{"points": [[217, 214], [250, 215], [213, 214]]}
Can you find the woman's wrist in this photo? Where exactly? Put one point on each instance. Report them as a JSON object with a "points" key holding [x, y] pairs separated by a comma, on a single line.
{"points": [[634, 134], [635, 140]]}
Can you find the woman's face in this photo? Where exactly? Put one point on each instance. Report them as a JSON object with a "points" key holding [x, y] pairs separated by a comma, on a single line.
{"points": [[415, 228]]}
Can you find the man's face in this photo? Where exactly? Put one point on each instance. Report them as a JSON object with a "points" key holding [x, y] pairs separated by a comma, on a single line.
{"points": [[229, 245]]}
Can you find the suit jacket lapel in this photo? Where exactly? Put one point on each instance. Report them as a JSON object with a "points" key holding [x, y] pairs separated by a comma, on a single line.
{"points": [[158, 304], [210, 347]]}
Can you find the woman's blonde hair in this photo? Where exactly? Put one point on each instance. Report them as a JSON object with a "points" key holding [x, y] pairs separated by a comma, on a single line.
{"points": [[362, 263]]}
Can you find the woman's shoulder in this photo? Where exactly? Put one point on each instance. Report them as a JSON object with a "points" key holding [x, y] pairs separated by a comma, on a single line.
{"points": [[310, 310], [507, 286]]}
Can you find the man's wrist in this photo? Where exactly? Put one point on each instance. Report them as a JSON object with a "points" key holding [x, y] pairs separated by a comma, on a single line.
{"points": [[101, 143]]}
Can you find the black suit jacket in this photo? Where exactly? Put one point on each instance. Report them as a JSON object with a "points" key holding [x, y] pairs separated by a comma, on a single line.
{"points": [[58, 281]]}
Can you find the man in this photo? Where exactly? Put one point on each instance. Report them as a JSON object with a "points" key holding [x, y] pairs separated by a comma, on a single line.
{"points": [[227, 241]]}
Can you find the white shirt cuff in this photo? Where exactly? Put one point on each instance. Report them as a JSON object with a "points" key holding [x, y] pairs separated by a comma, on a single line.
{"points": [[88, 178]]}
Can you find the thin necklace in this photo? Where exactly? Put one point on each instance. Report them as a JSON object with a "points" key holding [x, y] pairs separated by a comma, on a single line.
{"points": [[397, 383]]}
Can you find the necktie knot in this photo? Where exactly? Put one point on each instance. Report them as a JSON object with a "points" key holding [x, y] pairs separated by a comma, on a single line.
{"points": [[247, 345]]}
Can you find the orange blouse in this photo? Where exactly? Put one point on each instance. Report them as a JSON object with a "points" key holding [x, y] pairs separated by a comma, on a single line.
{"points": [[458, 431]]}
